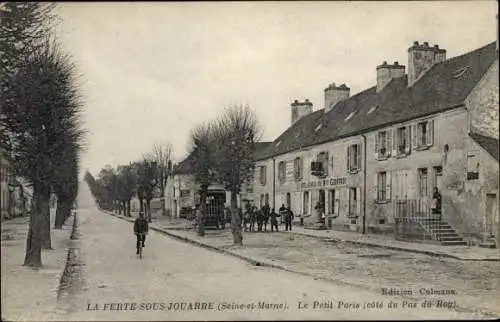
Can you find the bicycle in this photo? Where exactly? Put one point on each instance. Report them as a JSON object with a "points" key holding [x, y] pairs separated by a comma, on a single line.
{"points": [[140, 244]]}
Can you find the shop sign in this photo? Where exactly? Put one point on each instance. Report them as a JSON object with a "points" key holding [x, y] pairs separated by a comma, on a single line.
{"points": [[324, 183]]}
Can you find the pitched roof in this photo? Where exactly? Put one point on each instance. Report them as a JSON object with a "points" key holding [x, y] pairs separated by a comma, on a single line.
{"points": [[185, 166], [491, 145], [445, 86]]}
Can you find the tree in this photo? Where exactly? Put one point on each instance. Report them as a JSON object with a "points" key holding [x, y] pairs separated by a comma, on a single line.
{"points": [[236, 132], [127, 186], [202, 162], [41, 108], [162, 155], [147, 181], [65, 184]]}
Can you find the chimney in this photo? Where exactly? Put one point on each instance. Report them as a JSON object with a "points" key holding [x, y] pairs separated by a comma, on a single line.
{"points": [[335, 94], [386, 72], [421, 58], [300, 109]]}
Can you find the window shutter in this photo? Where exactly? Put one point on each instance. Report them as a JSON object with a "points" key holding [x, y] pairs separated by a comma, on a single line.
{"points": [[395, 143], [326, 162], [414, 136], [358, 201], [264, 170], [359, 155], [348, 158], [375, 186], [408, 139], [388, 144], [430, 133], [388, 185], [377, 146]]}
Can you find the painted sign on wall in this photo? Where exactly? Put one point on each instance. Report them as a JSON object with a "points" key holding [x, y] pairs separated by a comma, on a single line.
{"points": [[341, 181]]}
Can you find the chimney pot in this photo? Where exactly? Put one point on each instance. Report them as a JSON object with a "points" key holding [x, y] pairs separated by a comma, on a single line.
{"points": [[436, 46], [296, 101], [384, 63], [396, 63], [426, 44], [415, 43], [307, 101]]}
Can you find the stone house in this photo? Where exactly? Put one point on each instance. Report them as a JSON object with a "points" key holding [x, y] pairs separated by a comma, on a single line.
{"points": [[369, 156]]}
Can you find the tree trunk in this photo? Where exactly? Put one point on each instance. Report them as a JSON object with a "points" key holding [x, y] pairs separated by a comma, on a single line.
{"points": [[128, 208], [46, 238], [202, 212], [141, 205], [60, 213], [163, 209], [235, 220], [33, 255], [148, 209]]}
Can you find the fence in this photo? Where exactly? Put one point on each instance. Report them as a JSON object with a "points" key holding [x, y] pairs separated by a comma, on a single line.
{"points": [[415, 220]]}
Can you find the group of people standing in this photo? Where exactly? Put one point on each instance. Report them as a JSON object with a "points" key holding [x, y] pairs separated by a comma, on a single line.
{"points": [[253, 216]]}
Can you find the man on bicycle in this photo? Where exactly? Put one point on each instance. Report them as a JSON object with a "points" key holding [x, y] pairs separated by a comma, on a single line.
{"points": [[140, 230]]}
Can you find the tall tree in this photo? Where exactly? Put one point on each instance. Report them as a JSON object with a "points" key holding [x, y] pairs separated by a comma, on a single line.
{"points": [[202, 163], [162, 155], [236, 132], [147, 182], [127, 181]]}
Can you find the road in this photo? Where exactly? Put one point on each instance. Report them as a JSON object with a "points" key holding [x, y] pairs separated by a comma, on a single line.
{"points": [[116, 285]]}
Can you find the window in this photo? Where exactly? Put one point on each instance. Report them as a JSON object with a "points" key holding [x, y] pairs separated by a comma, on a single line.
{"points": [[424, 134], [288, 200], [262, 175], [261, 201], [422, 182], [438, 174], [382, 145], [266, 199], [297, 168], [185, 193], [382, 182], [282, 171], [305, 203], [402, 141], [354, 202], [334, 202], [382, 186], [354, 158], [472, 167], [323, 159]]}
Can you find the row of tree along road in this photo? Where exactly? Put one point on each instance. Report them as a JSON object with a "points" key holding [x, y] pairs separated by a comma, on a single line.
{"points": [[114, 189], [222, 151], [41, 133]]}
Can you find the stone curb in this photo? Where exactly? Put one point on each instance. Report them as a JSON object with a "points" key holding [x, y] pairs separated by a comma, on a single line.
{"points": [[411, 250]]}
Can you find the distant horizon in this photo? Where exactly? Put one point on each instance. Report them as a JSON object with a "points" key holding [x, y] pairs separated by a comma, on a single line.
{"points": [[151, 72]]}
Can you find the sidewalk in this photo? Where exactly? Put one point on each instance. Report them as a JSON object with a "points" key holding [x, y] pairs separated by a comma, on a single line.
{"points": [[30, 294], [468, 253]]}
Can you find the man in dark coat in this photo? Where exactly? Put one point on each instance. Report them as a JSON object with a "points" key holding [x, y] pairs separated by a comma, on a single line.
{"points": [[141, 228], [282, 212], [274, 220], [288, 219]]}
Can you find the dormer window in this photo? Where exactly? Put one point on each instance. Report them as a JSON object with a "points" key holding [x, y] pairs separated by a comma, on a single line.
{"points": [[371, 110], [349, 116], [320, 125]]}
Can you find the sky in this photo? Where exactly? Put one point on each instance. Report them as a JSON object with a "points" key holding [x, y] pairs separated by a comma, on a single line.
{"points": [[150, 72]]}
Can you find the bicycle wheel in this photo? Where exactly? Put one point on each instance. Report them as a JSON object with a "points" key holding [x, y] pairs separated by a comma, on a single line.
{"points": [[140, 251]]}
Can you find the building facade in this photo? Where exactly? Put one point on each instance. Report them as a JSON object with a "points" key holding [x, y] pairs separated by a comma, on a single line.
{"points": [[367, 157]]}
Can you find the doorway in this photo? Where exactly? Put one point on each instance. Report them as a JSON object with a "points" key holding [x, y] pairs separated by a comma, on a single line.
{"points": [[288, 200], [491, 215]]}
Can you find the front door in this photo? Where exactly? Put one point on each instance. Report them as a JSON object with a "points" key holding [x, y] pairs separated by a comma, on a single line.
{"points": [[491, 214]]}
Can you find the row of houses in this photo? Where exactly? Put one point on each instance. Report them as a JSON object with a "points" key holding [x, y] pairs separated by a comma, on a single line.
{"points": [[369, 158]]}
